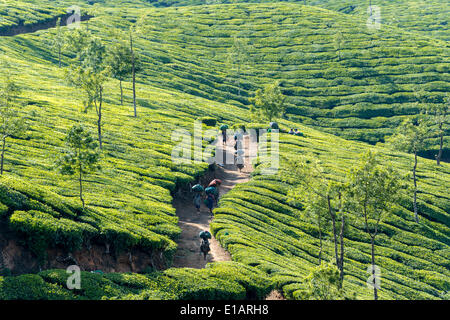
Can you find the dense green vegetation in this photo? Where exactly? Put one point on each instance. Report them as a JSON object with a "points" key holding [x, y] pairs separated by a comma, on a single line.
{"points": [[357, 84], [360, 91], [129, 199], [21, 12], [399, 13], [261, 227]]}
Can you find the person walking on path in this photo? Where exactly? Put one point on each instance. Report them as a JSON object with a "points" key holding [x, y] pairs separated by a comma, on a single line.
{"points": [[215, 183], [224, 128], [197, 189], [210, 202], [197, 201]]}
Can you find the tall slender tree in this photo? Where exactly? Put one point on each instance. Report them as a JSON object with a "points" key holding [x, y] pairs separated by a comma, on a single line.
{"points": [[91, 76], [11, 125], [59, 40], [239, 60], [322, 195], [410, 137], [338, 43], [372, 192], [439, 116], [80, 156], [121, 61], [92, 84]]}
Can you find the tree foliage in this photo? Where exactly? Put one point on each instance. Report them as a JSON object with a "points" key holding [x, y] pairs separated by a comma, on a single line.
{"points": [[324, 200], [411, 137], [269, 102], [372, 192], [322, 284], [80, 155], [58, 41], [120, 61], [11, 124]]}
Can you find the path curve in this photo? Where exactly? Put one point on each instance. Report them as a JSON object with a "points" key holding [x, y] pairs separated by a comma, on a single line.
{"points": [[191, 223]]}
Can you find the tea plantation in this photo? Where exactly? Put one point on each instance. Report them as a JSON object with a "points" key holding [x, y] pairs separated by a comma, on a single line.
{"points": [[130, 198], [346, 86], [339, 76], [261, 227]]}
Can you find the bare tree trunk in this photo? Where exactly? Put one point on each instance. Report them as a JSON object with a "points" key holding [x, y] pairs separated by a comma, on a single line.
{"points": [[416, 216], [341, 262], [441, 135], [333, 219], [238, 77], [375, 290], [59, 56], [121, 93], [3, 155], [133, 69], [81, 186], [320, 238], [99, 121]]}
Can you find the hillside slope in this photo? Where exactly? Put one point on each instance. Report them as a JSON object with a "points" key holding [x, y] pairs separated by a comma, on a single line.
{"points": [[258, 224], [184, 52], [341, 76], [360, 91], [403, 14], [130, 198]]}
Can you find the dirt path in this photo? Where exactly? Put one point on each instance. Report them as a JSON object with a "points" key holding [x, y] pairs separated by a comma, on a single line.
{"points": [[191, 222]]}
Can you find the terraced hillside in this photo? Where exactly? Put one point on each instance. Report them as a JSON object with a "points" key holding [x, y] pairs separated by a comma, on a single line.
{"points": [[130, 198], [340, 76], [428, 18], [399, 13], [360, 91], [13, 13], [258, 224]]}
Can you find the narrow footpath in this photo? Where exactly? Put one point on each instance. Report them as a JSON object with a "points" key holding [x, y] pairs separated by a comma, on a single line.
{"points": [[191, 222]]}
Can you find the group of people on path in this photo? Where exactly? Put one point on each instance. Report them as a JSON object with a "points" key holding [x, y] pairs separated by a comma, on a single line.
{"points": [[239, 151], [210, 195]]}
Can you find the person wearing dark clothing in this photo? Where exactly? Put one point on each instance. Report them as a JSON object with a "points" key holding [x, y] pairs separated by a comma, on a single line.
{"points": [[210, 202], [224, 136]]}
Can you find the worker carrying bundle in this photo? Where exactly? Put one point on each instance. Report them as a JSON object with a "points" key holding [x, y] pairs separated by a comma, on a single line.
{"points": [[205, 235], [215, 183], [211, 190], [224, 128], [197, 188]]}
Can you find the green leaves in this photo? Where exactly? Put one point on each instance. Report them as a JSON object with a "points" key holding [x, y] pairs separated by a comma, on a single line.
{"points": [[372, 189], [410, 136], [321, 284], [42, 230], [81, 153], [269, 102]]}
